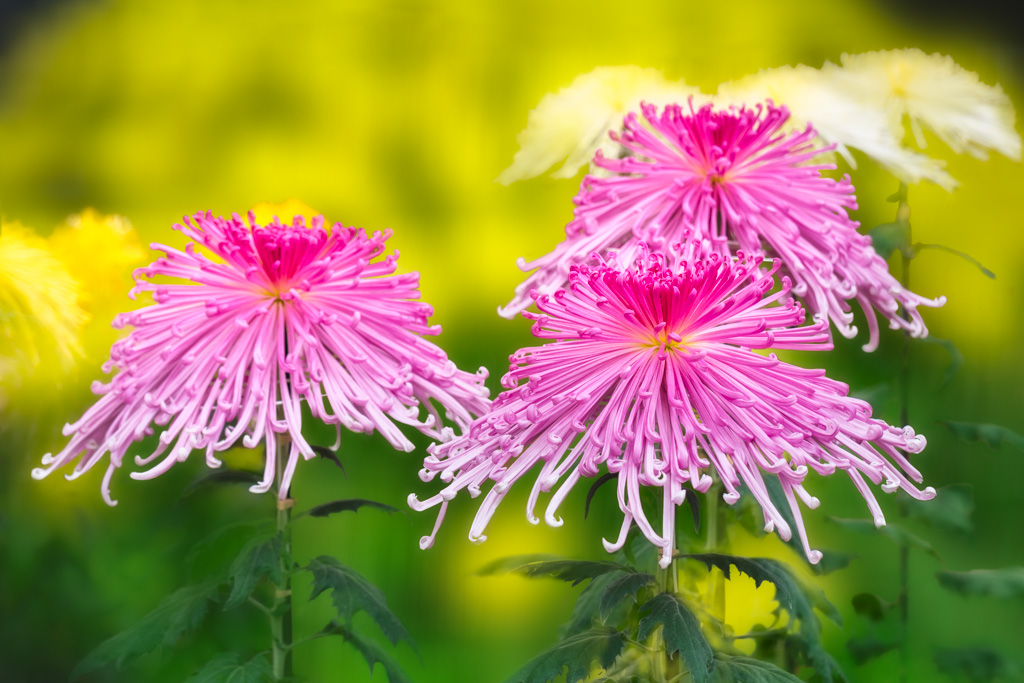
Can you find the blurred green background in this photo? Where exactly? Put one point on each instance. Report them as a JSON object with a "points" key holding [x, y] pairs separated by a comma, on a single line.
{"points": [[399, 115]]}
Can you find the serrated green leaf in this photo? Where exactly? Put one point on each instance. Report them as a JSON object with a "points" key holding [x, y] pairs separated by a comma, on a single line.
{"points": [[371, 652], [260, 557], [896, 533], [681, 632], [747, 670], [888, 237], [956, 252], [993, 435], [219, 538], [951, 509], [587, 605], [219, 477], [956, 358], [351, 593], [350, 505], [865, 649], [797, 596], [979, 665], [229, 668], [575, 571], [326, 453], [621, 588], [177, 614], [573, 656], [999, 583], [871, 606]]}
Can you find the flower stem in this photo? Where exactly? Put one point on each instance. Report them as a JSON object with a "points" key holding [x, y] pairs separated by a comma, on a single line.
{"points": [[281, 610], [716, 592], [668, 582], [903, 600]]}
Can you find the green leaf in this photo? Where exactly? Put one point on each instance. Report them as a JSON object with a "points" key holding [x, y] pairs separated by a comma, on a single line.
{"points": [[871, 606], [228, 668], [797, 596], [601, 481], [681, 633], [863, 650], [979, 665], [888, 237], [575, 571], [956, 358], [350, 505], [351, 593], [993, 435], [999, 583], [898, 534], [177, 614], [830, 560], [587, 605], [219, 477], [573, 656], [621, 588], [260, 557], [951, 509], [956, 252], [371, 652], [746, 670], [327, 454]]}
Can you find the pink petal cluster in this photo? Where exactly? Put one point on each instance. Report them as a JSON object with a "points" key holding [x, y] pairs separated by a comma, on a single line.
{"points": [[652, 375], [283, 314], [734, 178]]}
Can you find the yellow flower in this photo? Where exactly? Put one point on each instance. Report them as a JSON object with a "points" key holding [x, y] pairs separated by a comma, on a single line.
{"points": [[935, 91], [839, 116], [40, 316], [573, 123]]}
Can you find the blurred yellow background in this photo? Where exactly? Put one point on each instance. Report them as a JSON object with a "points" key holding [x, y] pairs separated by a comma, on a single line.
{"points": [[400, 115]]}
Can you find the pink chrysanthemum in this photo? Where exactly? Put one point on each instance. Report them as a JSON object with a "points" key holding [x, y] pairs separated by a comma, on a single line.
{"points": [[286, 314], [734, 178], [652, 376]]}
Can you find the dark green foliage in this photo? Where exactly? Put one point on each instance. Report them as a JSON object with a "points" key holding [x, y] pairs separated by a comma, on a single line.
{"points": [[888, 237], [951, 509], [327, 454], [351, 593], [260, 557], [798, 597], [177, 614], [993, 435], [978, 665], [621, 588], [746, 670], [587, 606], [681, 632], [350, 505], [865, 649], [371, 652], [999, 583], [898, 534], [871, 606], [228, 668], [575, 571], [225, 476], [573, 656]]}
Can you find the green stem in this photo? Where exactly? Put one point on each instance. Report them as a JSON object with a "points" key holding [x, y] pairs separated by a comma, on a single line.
{"points": [[281, 611], [716, 593], [903, 600], [668, 582]]}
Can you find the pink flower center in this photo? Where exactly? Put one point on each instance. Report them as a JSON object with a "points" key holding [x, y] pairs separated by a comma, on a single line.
{"points": [[285, 252]]}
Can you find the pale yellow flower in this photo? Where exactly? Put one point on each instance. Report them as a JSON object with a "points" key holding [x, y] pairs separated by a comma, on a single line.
{"points": [[839, 116], [934, 91], [573, 123], [40, 316]]}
